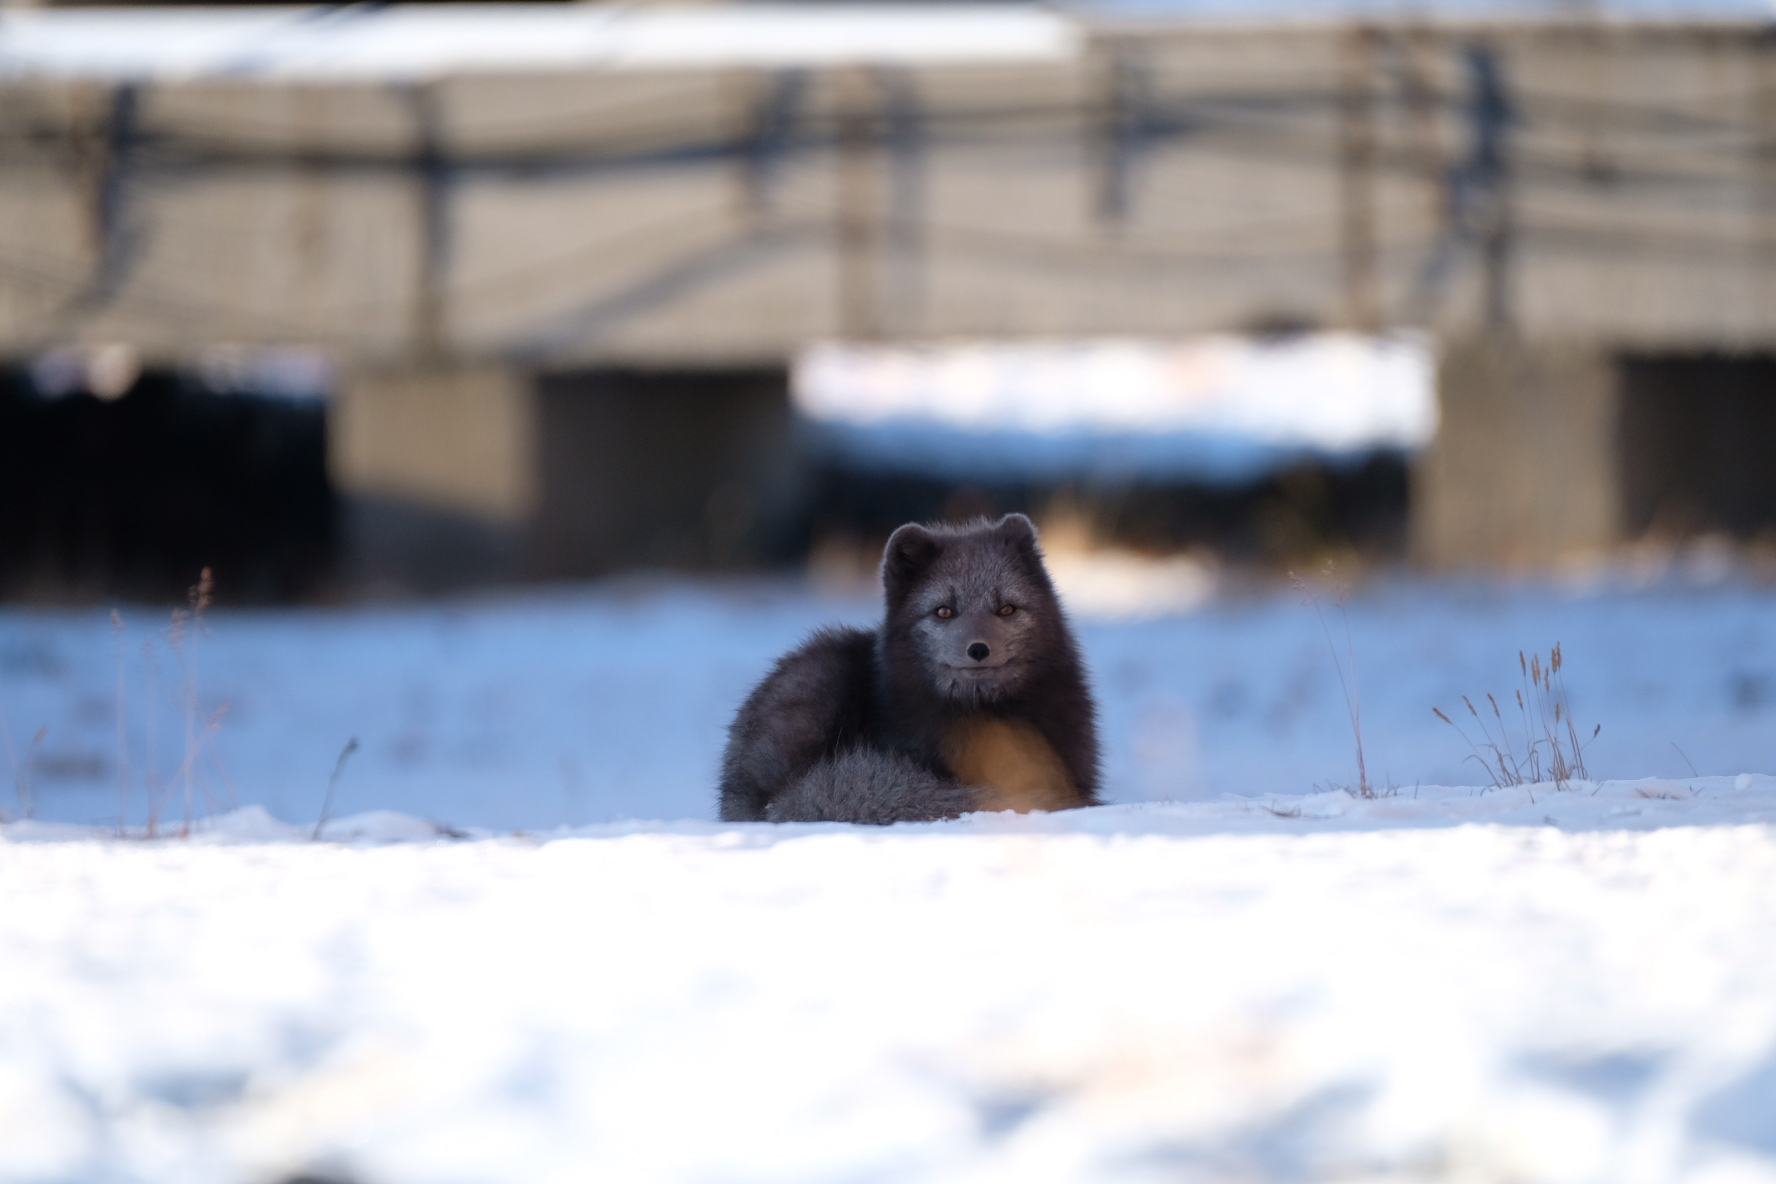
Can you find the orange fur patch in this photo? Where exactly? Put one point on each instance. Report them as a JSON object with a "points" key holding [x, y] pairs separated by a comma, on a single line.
{"points": [[1012, 763]]}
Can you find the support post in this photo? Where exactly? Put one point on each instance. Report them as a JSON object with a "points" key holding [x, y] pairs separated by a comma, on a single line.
{"points": [[1417, 48], [1356, 158], [1523, 473], [436, 467], [1122, 129], [773, 114], [904, 139], [1488, 199], [1763, 179], [432, 177], [859, 218]]}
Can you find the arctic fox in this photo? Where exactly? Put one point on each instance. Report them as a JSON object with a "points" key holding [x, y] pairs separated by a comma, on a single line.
{"points": [[970, 696]]}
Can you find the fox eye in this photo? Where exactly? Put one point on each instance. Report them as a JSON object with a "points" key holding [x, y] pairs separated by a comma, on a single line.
{"points": [[1005, 610], [945, 612]]}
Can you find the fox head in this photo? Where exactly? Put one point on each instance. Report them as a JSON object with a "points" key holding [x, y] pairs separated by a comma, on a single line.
{"points": [[971, 608]]}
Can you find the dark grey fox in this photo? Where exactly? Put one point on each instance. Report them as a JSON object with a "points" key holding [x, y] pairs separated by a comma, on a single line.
{"points": [[970, 696]]}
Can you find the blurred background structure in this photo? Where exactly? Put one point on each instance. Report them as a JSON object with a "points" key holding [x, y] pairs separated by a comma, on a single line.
{"points": [[418, 297]]}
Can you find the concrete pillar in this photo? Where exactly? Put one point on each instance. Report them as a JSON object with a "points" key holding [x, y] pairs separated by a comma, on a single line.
{"points": [[1523, 473], [437, 469]]}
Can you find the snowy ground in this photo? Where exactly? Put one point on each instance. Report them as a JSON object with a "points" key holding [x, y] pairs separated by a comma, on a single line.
{"points": [[1569, 983], [532, 711], [1134, 993]]}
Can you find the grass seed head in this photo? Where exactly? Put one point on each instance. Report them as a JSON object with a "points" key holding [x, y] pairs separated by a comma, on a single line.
{"points": [[200, 593], [1561, 757]]}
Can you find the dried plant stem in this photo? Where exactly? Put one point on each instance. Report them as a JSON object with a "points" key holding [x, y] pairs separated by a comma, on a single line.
{"points": [[193, 750], [351, 746], [182, 638], [151, 778], [12, 761], [21, 774], [1552, 750], [1352, 700], [122, 730]]}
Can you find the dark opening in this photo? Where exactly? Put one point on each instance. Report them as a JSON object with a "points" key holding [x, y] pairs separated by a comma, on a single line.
{"points": [[1696, 435], [133, 497], [1292, 516], [709, 470], [680, 469]]}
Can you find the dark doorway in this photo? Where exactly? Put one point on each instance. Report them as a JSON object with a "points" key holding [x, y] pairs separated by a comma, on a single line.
{"points": [[133, 496], [1697, 432], [670, 469]]}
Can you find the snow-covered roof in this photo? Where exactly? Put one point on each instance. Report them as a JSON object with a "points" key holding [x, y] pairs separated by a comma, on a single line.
{"points": [[1607, 11], [421, 40], [413, 41], [1219, 407]]}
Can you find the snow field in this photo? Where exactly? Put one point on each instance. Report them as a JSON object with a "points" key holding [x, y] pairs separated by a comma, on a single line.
{"points": [[1232, 974], [588, 706], [999, 998]]}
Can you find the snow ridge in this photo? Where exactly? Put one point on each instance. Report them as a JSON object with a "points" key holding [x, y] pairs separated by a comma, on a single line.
{"points": [[1429, 988]]}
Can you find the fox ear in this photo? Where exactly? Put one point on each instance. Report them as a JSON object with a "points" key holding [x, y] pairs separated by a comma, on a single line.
{"points": [[910, 551], [1017, 529]]}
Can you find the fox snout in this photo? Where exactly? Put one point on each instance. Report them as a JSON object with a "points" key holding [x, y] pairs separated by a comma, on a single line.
{"points": [[978, 650]]}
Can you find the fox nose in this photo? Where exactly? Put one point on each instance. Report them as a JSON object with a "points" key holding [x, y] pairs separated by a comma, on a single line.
{"points": [[979, 651]]}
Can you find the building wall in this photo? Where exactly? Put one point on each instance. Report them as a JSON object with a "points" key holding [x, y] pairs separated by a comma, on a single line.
{"points": [[1163, 182], [1167, 181]]}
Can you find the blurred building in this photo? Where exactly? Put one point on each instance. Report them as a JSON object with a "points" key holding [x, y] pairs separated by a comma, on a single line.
{"points": [[559, 260]]}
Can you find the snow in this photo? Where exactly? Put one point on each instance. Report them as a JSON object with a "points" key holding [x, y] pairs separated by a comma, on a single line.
{"points": [[420, 41], [1261, 979], [1218, 407], [1131, 993], [415, 42], [574, 707], [1269, 12]]}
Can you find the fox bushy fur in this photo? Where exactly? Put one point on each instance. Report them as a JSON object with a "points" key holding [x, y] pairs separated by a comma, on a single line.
{"points": [[970, 695]]}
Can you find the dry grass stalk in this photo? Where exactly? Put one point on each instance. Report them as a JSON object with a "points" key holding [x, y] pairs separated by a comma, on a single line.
{"points": [[122, 728], [351, 746], [12, 762], [1545, 745], [21, 774], [151, 713], [1352, 700], [181, 637]]}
